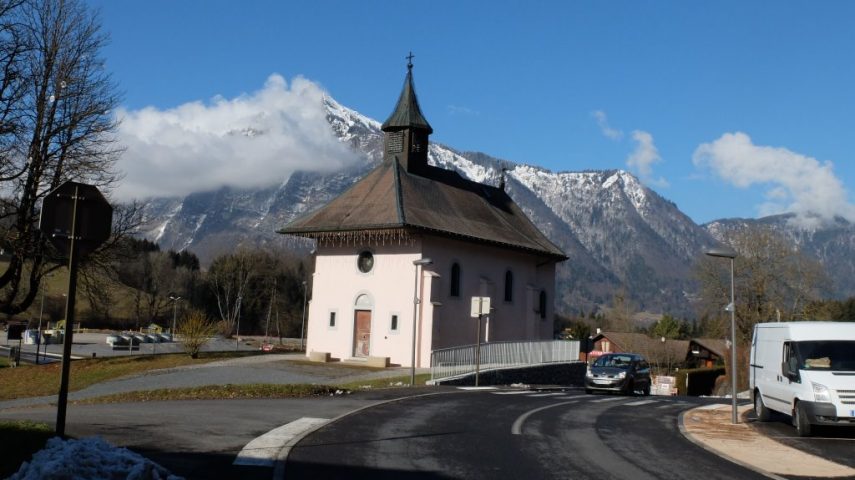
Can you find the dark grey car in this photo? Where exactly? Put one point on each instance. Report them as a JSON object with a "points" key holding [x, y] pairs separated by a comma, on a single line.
{"points": [[624, 373]]}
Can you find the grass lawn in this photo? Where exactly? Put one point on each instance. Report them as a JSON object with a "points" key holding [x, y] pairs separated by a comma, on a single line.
{"points": [[392, 382], [218, 392], [38, 380], [19, 440]]}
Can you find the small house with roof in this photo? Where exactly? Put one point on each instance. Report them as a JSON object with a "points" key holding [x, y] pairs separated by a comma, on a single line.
{"points": [[663, 352], [706, 352], [401, 253]]}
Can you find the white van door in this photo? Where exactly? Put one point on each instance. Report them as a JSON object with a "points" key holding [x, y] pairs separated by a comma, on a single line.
{"points": [[780, 390]]}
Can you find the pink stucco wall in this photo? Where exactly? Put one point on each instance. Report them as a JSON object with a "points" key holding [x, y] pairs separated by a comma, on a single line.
{"points": [[483, 274], [445, 320]]}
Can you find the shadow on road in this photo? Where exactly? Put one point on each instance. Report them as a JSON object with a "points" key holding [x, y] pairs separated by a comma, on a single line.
{"points": [[318, 471], [198, 466]]}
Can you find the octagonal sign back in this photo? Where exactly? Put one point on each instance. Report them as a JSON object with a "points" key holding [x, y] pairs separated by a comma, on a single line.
{"points": [[94, 217]]}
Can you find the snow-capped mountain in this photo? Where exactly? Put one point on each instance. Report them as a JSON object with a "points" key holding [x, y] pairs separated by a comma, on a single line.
{"points": [[619, 234]]}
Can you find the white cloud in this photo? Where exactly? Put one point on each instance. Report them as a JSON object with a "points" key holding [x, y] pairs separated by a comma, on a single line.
{"points": [[642, 159], [796, 183], [252, 140], [603, 122]]}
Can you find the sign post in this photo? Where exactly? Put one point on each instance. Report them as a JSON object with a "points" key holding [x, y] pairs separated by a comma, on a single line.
{"points": [[480, 307], [16, 332], [76, 218]]}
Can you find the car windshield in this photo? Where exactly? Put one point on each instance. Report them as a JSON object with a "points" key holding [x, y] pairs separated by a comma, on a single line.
{"points": [[838, 355], [617, 361]]}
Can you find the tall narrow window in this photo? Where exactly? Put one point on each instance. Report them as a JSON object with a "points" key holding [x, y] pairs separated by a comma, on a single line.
{"points": [[542, 303], [332, 319], [455, 280], [509, 286], [394, 326]]}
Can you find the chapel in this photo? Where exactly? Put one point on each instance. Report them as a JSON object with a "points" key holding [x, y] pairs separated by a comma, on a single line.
{"points": [[401, 253]]}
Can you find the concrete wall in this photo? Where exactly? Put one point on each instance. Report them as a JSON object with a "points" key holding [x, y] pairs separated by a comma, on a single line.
{"points": [[563, 374]]}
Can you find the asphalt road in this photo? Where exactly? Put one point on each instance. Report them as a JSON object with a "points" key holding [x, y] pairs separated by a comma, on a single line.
{"points": [[431, 433], [196, 439], [494, 435]]}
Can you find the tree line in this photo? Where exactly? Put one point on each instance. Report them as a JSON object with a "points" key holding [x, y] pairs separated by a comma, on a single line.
{"points": [[260, 291]]}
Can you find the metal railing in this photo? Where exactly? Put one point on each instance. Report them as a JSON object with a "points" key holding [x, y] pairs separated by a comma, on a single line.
{"points": [[456, 361]]}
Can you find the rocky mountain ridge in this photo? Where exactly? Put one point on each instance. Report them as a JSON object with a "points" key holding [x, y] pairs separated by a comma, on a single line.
{"points": [[620, 235]]}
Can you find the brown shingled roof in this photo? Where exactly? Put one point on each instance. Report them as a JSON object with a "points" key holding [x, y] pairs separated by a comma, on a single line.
{"points": [[717, 346], [652, 348], [438, 200]]}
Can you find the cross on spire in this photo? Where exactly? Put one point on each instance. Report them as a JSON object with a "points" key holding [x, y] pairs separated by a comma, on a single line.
{"points": [[410, 58]]}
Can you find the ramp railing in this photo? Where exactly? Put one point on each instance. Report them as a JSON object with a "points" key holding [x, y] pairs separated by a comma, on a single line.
{"points": [[456, 361]]}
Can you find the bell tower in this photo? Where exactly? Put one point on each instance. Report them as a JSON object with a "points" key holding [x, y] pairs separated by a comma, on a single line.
{"points": [[406, 131]]}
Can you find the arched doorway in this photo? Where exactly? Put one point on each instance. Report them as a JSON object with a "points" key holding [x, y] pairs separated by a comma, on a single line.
{"points": [[362, 326]]}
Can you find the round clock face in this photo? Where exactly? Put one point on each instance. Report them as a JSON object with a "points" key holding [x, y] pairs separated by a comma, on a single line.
{"points": [[365, 262]]}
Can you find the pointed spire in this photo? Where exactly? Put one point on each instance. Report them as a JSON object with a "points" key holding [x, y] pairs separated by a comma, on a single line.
{"points": [[407, 113]]}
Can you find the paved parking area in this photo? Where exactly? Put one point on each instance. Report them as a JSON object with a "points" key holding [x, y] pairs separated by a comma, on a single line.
{"points": [[88, 344]]}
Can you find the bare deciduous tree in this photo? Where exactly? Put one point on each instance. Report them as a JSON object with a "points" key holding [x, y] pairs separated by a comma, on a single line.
{"points": [[58, 126], [229, 277], [773, 280]]}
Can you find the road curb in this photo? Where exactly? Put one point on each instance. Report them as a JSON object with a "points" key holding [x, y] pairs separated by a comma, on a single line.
{"points": [[282, 457], [703, 445]]}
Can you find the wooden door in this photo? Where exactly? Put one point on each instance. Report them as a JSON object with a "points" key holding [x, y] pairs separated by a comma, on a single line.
{"points": [[362, 334]]}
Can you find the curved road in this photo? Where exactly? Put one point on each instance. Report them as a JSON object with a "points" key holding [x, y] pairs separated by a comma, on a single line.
{"points": [[511, 434], [444, 433]]}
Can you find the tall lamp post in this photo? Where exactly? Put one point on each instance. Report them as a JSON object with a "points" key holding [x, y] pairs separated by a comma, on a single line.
{"points": [[39, 340], [421, 262], [174, 299], [237, 330], [731, 254]]}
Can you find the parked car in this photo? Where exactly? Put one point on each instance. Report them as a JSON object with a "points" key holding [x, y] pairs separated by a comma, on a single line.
{"points": [[624, 373]]}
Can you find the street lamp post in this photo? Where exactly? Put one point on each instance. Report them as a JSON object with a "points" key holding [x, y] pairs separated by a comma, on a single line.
{"points": [[269, 311], [303, 326], [731, 254], [41, 312], [237, 330], [421, 262], [174, 299]]}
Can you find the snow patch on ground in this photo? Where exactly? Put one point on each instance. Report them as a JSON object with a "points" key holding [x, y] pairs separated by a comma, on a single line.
{"points": [[89, 458]]}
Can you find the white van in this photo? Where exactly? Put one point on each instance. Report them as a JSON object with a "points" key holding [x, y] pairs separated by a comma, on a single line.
{"points": [[805, 370]]}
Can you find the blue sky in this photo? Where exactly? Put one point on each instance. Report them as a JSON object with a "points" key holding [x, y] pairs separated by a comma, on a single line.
{"points": [[729, 109]]}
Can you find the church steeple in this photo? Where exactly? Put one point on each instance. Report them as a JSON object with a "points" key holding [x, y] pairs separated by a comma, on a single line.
{"points": [[406, 130]]}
